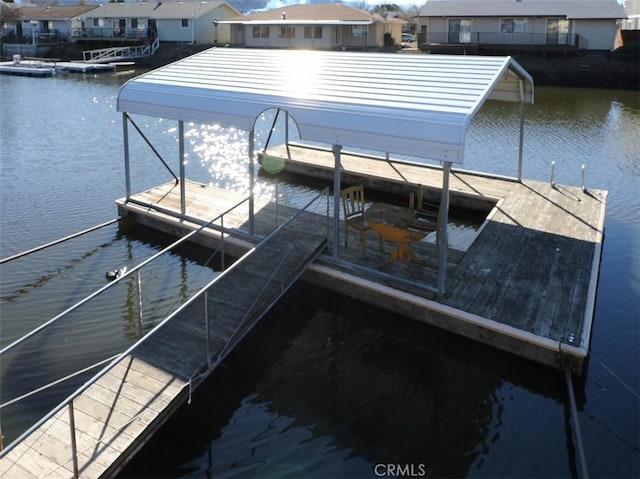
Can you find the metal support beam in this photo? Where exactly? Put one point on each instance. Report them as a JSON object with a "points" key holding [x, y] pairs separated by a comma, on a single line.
{"points": [[183, 200], [286, 134], [127, 170], [443, 220], [336, 200], [74, 446], [521, 137], [252, 146]]}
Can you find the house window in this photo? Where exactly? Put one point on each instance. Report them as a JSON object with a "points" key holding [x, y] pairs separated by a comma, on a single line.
{"points": [[261, 31], [96, 22], [312, 32], [286, 32], [513, 25], [558, 30], [359, 31], [460, 30], [184, 23], [134, 23]]}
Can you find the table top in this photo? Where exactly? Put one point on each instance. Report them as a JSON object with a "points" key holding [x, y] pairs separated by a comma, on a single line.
{"points": [[387, 214], [390, 222]]}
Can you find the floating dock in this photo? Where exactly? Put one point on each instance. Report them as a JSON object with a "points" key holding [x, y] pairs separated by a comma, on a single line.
{"points": [[28, 68], [526, 285], [44, 68]]}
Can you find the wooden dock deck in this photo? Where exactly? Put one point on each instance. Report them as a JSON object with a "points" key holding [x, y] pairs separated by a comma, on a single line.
{"points": [[118, 412], [528, 282], [526, 285]]}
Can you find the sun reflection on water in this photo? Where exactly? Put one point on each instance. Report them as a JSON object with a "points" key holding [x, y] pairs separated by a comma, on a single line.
{"points": [[219, 156]]}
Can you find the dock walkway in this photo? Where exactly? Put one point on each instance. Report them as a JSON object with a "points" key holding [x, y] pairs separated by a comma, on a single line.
{"points": [[112, 418]]}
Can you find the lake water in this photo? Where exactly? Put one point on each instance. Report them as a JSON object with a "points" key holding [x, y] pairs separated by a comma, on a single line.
{"points": [[324, 386]]}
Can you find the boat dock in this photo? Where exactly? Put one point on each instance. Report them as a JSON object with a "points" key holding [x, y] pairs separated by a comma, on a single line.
{"points": [[526, 284]]}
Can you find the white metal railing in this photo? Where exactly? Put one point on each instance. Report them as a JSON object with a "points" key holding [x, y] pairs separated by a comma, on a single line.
{"points": [[121, 53]]}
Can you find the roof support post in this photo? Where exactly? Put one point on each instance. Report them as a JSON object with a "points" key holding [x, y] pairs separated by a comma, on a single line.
{"points": [[443, 220], [286, 133], [336, 200], [252, 146], [522, 107], [127, 169], [183, 193]]}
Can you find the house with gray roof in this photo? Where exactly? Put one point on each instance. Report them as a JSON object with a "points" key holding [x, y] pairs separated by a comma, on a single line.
{"points": [[323, 26], [517, 26], [169, 21], [46, 24]]}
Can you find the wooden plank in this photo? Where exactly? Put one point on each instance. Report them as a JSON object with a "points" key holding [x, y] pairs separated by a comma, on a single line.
{"points": [[106, 419], [32, 465]]}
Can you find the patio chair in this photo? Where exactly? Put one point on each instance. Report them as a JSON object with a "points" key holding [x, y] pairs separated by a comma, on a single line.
{"points": [[423, 214], [353, 206]]}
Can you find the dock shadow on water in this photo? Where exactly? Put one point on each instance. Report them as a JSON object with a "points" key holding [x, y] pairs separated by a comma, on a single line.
{"points": [[313, 392]]}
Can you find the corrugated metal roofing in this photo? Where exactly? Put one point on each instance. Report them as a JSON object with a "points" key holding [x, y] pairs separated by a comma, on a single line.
{"points": [[571, 9], [418, 105]]}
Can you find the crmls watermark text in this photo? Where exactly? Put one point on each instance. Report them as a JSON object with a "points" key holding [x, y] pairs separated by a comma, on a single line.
{"points": [[400, 470]]}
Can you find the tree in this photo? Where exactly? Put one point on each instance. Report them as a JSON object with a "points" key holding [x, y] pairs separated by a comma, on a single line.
{"points": [[8, 14], [386, 7]]}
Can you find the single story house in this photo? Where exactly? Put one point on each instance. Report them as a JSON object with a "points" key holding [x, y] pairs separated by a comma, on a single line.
{"points": [[323, 26], [169, 21], [42, 23], [511, 26]]}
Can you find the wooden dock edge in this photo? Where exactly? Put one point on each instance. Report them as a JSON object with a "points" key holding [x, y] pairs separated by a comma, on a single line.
{"points": [[595, 274], [486, 331], [151, 428], [174, 226]]}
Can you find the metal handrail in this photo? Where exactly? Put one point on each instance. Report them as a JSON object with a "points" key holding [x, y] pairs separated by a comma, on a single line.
{"points": [[127, 51], [56, 382], [69, 400], [58, 241], [117, 280], [325, 192], [498, 38]]}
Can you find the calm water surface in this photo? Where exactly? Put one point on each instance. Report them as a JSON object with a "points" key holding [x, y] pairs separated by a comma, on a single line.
{"points": [[324, 387]]}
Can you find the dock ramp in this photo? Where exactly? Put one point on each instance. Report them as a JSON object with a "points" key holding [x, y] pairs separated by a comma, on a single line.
{"points": [[95, 431], [119, 53]]}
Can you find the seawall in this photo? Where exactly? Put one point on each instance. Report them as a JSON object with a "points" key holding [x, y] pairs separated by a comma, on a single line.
{"points": [[606, 70], [619, 69]]}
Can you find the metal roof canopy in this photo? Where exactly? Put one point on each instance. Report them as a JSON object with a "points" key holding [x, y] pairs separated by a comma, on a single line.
{"points": [[417, 105]]}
